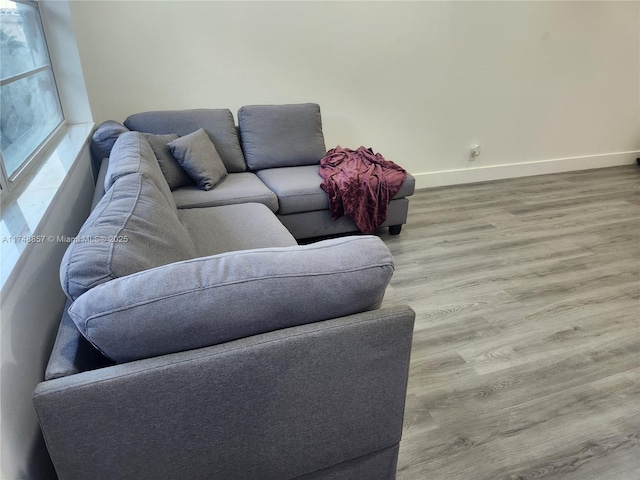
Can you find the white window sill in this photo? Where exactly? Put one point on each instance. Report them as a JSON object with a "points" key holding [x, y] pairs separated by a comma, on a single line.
{"points": [[24, 209]]}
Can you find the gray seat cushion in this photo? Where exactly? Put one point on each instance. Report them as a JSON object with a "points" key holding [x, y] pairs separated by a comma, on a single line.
{"points": [[281, 135], [298, 188], [228, 228], [132, 154], [234, 188], [232, 295], [218, 123], [132, 228]]}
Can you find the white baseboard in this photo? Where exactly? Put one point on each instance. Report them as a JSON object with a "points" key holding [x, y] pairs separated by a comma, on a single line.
{"points": [[498, 172]]}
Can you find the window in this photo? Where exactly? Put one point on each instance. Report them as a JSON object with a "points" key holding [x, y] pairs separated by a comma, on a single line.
{"points": [[30, 112]]}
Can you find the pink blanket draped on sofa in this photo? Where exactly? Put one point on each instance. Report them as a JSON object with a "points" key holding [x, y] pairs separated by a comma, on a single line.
{"points": [[360, 184]]}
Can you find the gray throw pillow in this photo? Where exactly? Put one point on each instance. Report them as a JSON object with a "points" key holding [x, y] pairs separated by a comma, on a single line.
{"points": [[171, 169], [233, 295], [198, 156]]}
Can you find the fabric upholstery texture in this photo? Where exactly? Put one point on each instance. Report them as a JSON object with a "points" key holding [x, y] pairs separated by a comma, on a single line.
{"points": [[378, 465], [149, 314], [281, 135], [174, 174], [269, 407], [104, 137], [244, 226], [198, 156], [98, 193], [319, 223], [132, 154], [131, 229], [297, 188], [218, 123], [71, 352], [234, 188]]}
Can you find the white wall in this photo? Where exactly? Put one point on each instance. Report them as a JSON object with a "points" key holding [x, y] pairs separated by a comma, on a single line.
{"points": [[550, 82]]}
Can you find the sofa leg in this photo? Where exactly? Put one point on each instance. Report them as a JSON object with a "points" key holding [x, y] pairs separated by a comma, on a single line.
{"points": [[395, 229]]}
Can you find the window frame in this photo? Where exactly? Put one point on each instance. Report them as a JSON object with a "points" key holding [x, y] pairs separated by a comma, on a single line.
{"points": [[8, 183]]}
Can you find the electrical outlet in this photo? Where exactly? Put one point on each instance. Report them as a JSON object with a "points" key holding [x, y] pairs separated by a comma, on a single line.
{"points": [[475, 152]]}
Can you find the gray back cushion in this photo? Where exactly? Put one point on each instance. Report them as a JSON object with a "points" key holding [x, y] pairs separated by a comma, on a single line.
{"points": [[281, 135], [174, 174], [132, 229], [233, 295], [132, 154], [218, 123]]}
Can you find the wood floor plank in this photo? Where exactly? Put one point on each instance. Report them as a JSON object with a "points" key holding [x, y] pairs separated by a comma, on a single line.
{"points": [[552, 427], [504, 388], [620, 451], [526, 353]]}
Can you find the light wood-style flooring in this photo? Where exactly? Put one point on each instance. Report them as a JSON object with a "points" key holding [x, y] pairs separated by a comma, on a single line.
{"points": [[526, 351]]}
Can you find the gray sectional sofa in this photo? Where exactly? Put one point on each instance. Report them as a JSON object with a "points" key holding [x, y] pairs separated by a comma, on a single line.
{"points": [[272, 157], [205, 342]]}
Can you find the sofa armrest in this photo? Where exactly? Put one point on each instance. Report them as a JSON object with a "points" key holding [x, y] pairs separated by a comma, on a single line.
{"points": [[72, 353], [272, 406]]}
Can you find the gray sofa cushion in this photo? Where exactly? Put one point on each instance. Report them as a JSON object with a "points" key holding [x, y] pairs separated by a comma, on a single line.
{"points": [[245, 226], [232, 295], [132, 154], [198, 156], [234, 188], [281, 135], [131, 229], [298, 188], [174, 174], [218, 123], [104, 137]]}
